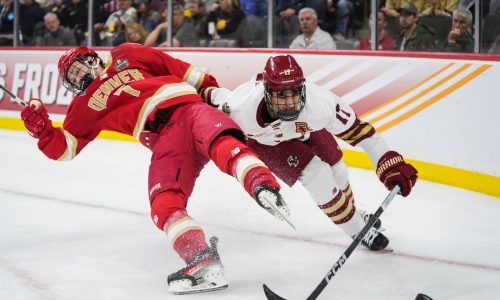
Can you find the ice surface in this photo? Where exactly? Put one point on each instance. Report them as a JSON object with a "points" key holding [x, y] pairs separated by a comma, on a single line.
{"points": [[81, 230]]}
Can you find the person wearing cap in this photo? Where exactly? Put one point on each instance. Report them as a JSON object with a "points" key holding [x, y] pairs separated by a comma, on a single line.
{"points": [[413, 36]]}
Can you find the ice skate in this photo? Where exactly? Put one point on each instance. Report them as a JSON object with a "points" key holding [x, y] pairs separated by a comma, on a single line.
{"points": [[271, 200], [366, 217], [375, 241], [204, 274]]}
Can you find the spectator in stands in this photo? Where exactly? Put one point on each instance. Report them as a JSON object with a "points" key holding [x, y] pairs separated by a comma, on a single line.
{"points": [[135, 33], [312, 36], [334, 16], [413, 36], [286, 22], [256, 8], [227, 16], [385, 40], [199, 16], [443, 8], [56, 35], [391, 7], [6, 22], [74, 16], [147, 17], [114, 25], [30, 15], [460, 38], [424, 7], [342, 10], [183, 33]]}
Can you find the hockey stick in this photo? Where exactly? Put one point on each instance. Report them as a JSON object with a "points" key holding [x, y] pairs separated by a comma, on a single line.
{"points": [[270, 295], [16, 98]]}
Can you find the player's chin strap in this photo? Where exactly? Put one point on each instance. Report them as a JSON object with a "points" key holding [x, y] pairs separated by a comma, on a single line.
{"points": [[92, 64]]}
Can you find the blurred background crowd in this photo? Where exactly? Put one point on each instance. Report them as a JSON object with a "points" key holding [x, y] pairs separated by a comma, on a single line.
{"points": [[420, 25]]}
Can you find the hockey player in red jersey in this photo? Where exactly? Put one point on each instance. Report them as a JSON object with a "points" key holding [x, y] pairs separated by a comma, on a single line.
{"points": [[291, 125], [145, 93]]}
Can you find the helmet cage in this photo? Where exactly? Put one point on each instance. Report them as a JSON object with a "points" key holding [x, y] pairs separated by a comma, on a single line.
{"points": [[283, 111], [88, 64], [283, 78]]}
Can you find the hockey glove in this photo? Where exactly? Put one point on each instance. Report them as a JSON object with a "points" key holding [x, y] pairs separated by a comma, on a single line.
{"points": [[36, 119], [393, 170]]}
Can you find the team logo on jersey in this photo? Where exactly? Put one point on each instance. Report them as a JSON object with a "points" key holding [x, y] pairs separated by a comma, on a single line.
{"points": [[121, 64], [293, 161], [302, 127]]}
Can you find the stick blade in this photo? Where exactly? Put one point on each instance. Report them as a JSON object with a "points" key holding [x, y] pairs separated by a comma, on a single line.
{"points": [[270, 295]]}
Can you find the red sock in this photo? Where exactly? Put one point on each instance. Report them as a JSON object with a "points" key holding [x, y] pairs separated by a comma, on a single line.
{"points": [[189, 244], [258, 176]]}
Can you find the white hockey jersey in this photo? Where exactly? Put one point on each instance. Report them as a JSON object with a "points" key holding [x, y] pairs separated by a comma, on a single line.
{"points": [[322, 110]]}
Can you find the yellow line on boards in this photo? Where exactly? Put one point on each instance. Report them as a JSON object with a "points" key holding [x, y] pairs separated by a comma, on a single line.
{"points": [[474, 181]]}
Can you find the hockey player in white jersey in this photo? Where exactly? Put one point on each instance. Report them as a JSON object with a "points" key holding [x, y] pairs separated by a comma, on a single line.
{"points": [[291, 125]]}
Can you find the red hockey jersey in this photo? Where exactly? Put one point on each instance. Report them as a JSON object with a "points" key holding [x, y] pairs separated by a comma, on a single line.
{"points": [[133, 85]]}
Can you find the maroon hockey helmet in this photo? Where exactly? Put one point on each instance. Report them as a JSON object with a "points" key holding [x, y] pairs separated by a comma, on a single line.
{"points": [[88, 62], [283, 74]]}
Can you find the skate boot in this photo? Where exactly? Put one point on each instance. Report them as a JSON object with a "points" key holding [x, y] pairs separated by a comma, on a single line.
{"points": [[270, 199], [366, 217], [204, 274], [374, 240]]}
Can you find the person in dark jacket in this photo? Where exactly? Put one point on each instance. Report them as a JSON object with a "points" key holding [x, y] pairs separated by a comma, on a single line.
{"points": [[226, 15], [414, 36], [460, 38]]}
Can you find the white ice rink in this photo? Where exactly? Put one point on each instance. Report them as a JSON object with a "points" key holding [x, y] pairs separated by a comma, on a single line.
{"points": [[81, 230]]}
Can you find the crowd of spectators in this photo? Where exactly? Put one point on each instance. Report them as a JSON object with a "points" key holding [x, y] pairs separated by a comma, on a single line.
{"points": [[403, 25]]}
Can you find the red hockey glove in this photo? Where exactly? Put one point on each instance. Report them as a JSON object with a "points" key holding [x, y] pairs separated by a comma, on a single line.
{"points": [[36, 119], [393, 170]]}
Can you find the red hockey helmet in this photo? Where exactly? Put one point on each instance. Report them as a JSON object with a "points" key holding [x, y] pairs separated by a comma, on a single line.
{"points": [[88, 60], [284, 88]]}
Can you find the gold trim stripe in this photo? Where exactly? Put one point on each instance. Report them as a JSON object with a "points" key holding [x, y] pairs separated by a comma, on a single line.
{"points": [[407, 92], [422, 93], [163, 94], [345, 213], [434, 99], [335, 206]]}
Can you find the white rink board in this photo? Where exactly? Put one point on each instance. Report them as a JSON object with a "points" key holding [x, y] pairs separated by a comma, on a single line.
{"points": [[460, 129]]}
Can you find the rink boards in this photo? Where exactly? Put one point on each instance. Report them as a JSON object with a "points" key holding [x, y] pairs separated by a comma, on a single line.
{"points": [[438, 110]]}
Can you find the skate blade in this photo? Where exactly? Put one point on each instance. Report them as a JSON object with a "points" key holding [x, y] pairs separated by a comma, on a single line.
{"points": [[183, 287], [281, 213]]}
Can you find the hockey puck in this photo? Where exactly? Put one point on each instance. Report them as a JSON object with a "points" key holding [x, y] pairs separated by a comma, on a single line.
{"points": [[422, 297]]}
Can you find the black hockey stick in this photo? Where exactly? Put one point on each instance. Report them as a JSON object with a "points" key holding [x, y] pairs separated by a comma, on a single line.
{"points": [[270, 295], [14, 97]]}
